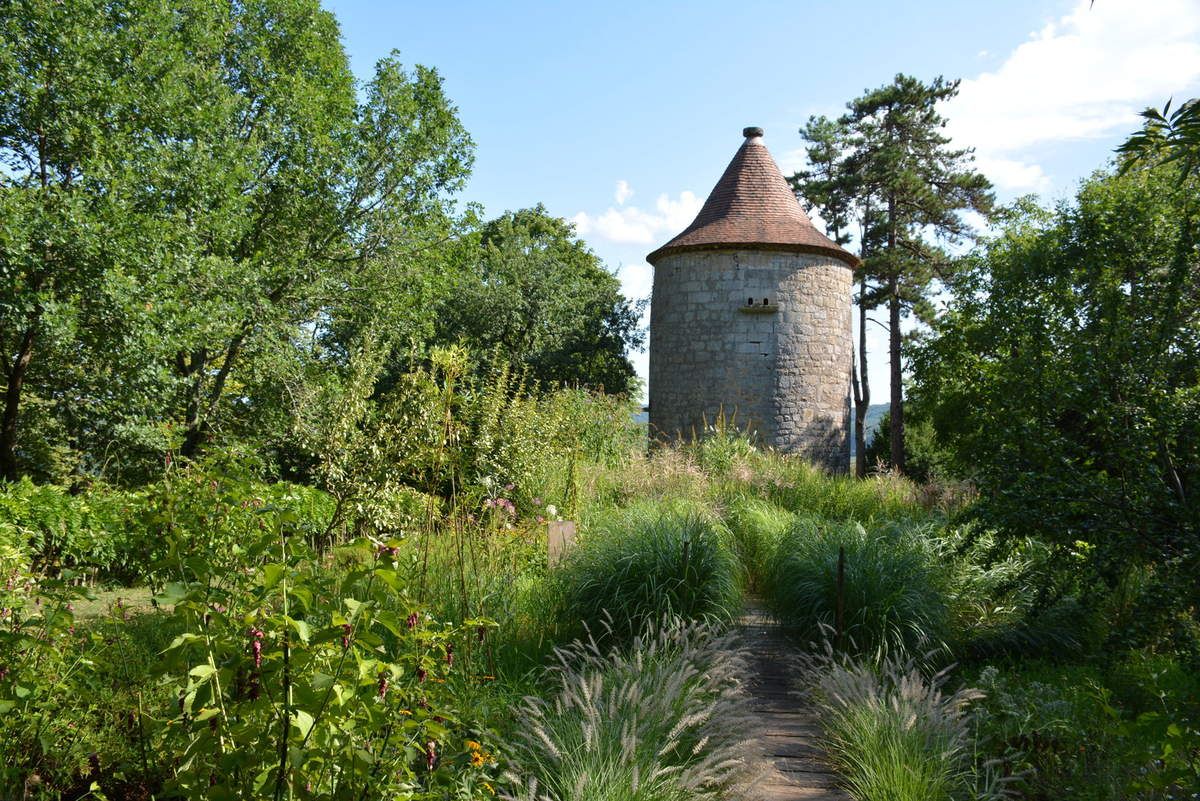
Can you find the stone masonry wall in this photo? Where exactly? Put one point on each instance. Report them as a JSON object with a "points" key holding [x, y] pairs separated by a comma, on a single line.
{"points": [[779, 370]]}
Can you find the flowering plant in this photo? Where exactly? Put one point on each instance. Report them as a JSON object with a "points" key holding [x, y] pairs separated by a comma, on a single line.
{"points": [[293, 680]]}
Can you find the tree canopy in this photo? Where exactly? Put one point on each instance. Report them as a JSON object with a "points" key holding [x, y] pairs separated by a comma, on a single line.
{"points": [[1064, 376], [201, 212], [535, 292]]}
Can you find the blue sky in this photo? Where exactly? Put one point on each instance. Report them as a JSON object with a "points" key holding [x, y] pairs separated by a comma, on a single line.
{"points": [[621, 116]]}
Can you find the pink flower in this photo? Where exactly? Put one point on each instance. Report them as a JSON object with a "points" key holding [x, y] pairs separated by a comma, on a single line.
{"points": [[256, 636], [413, 620], [430, 754]]}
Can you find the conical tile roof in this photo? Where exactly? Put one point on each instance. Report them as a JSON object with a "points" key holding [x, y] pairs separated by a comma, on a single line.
{"points": [[752, 207]]}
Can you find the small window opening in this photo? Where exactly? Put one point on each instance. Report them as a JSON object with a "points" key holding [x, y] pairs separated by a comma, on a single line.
{"points": [[749, 301], [765, 302]]}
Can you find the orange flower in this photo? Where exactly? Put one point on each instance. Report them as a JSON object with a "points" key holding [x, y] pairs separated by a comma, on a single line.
{"points": [[477, 759]]}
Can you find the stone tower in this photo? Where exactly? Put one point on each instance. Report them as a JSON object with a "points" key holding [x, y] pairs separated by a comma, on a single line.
{"points": [[750, 318]]}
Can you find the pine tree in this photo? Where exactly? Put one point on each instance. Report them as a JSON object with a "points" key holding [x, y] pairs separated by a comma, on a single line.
{"points": [[917, 187]]}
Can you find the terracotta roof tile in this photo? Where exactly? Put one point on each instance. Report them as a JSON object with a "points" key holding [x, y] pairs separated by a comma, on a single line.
{"points": [[753, 207]]}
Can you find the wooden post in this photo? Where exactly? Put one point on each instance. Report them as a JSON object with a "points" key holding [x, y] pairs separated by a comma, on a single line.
{"points": [[560, 536], [840, 601]]}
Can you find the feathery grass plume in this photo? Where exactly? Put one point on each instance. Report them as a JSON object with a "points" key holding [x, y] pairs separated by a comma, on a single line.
{"points": [[896, 588], [661, 720], [893, 733], [649, 560]]}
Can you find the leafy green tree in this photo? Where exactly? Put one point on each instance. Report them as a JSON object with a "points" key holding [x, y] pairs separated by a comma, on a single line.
{"points": [[309, 190], [85, 87], [532, 290], [1065, 379], [194, 197], [916, 187]]}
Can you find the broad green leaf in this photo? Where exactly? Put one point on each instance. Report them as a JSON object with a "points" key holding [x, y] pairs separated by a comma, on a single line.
{"points": [[303, 721], [272, 574]]}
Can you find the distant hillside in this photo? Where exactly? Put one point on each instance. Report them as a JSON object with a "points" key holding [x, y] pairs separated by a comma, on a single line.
{"points": [[874, 412]]}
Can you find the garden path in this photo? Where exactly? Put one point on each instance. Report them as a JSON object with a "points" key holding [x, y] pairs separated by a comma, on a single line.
{"points": [[788, 763]]}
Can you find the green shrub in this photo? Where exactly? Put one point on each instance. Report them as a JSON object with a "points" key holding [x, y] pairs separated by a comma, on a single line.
{"points": [[925, 459], [364, 679], [659, 721], [1131, 730], [1005, 605], [93, 531], [208, 513], [124, 536], [895, 591], [756, 527], [644, 562]]}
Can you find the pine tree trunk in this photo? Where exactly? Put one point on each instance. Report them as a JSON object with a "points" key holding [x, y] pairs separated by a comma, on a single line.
{"points": [[862, 390], [896, 409]]}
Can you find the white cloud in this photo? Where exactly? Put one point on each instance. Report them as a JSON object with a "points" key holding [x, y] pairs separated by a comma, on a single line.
{"points": [[1013, 174], [634, 226], [636, 279], [1082, 76], [623, 193]]}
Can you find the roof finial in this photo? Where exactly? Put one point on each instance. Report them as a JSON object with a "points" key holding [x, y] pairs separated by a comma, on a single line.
{"points": [[752, 131]]}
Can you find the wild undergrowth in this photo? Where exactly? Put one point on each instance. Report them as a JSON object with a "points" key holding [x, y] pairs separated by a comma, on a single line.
{"points": [[454, 610]]}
